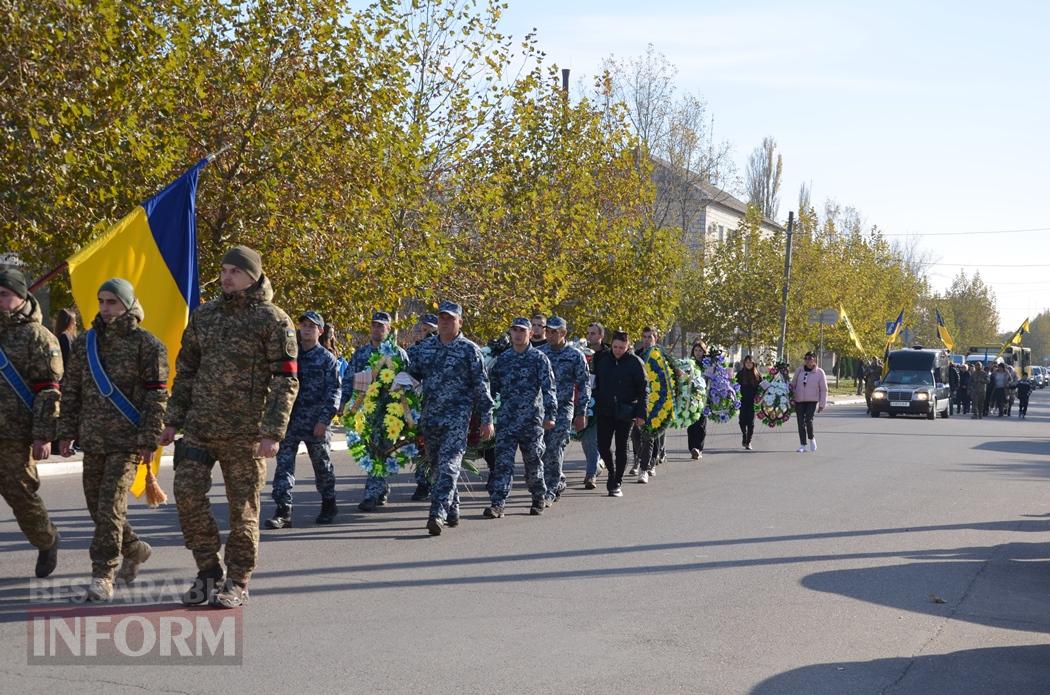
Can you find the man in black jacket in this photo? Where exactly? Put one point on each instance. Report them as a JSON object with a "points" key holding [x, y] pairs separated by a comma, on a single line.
{"points": [[620, 396]]}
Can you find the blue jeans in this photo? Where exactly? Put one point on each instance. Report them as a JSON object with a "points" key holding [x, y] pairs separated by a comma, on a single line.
{"points": [[589, 441]]}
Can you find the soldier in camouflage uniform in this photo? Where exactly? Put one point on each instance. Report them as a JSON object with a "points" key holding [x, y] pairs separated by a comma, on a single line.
{"points": [[376, 488], [235, 385], [27, 428], [872, 374], [311, 421], [426, 327], [452, 372], [136, 363], [573, 382], [523, 380]]}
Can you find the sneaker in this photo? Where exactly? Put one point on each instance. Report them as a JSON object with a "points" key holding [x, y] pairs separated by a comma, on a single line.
{"points": [[101, 589], [548, 502], [652, 472], [282, 517], [203, 587], [695, 453], [812, 444], [493, 512], [452, 521], [748, 446], [383, 498], [643, 477], [699, 456], [633, 471], [47, 560], [231, 595], [802, 449], [588, 483], [368, 504], [616, 492], [129, 566], [422, 492], [537, 507], [434, 525]]}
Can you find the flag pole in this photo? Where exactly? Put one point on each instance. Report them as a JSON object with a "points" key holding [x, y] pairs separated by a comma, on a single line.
{"points": [[61, 267]]}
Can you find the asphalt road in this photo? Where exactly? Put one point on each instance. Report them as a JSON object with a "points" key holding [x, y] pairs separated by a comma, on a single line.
{"points": [[905, 556]]}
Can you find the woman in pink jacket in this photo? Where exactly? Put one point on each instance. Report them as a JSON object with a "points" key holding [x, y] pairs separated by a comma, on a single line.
{"points": [[811, 395]]}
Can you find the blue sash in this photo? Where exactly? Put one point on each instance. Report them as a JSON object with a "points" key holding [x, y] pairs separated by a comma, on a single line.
{"points": [[15, 381], [106, 387]]}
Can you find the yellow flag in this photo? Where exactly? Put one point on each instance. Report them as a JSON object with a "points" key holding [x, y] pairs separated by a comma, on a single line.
{"points": [[852, 332]]}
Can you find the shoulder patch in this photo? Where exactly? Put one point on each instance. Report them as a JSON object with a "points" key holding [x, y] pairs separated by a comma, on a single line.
{"points": [[289, 333], [56, 353]]}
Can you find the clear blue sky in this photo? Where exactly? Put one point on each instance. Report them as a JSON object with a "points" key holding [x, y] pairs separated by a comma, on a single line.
{"points": [[927, 117]]}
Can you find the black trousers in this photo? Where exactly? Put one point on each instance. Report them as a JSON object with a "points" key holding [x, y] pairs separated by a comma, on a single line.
{"points": [[804, 413], [610, 429], [1022, 405], [747, 423], [697, 433]]}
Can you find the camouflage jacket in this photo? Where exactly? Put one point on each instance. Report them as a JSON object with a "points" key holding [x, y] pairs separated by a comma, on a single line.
{"points": [[572, 377], [454, 380], [318, 396], [236, 374], [979, 382], [137, 364], [34, 352], [525, 385]]}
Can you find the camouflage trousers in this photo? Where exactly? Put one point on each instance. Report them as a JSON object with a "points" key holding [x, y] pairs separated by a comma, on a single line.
{"points": [[106, 480], [18, 486], [320, 453], [446, 443], [554, 441], [530, 441], [244, 475]]}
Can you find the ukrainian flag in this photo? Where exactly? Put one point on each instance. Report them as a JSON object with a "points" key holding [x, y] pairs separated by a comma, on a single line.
{"points": [[155, 249], [943, 334]]}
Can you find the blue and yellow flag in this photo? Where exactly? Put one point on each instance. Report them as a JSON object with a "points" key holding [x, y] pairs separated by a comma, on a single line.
{"points": [[155, 249], [943, 334], [896, 329]]}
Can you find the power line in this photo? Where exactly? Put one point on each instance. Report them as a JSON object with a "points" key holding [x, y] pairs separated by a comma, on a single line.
{"points": [[990, 231]]}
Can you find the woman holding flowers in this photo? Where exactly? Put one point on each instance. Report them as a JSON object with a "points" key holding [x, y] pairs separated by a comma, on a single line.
{"points": [[697, 432]]}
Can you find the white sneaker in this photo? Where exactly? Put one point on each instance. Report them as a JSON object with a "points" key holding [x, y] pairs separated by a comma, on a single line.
{"points": [[643, 477], [802, 449], [633, 471], [812, 444], [695, 453]]}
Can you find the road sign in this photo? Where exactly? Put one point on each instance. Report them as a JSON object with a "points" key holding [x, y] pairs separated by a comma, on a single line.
{"points": [[828, 317]]}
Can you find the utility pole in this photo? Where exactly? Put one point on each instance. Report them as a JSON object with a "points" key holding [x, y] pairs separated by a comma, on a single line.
{"points": [[784, 296]]}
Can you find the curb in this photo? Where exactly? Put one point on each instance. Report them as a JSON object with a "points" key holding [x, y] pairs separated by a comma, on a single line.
{"points": [[49, 468]]}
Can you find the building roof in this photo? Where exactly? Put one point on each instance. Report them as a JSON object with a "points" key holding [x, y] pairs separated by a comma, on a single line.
{"points": [[713, 195]]}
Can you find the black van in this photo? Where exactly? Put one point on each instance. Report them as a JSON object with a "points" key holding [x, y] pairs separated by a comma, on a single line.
{"points": [[916, 384]]}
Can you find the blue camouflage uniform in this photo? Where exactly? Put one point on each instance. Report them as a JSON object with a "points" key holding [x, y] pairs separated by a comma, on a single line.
{"points": [[525, 384], [317, 402], [573, 382], [376, 488], [454, 385]]}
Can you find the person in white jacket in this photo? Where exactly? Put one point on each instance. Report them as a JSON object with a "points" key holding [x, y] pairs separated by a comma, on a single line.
{"points": [[810, 386]]}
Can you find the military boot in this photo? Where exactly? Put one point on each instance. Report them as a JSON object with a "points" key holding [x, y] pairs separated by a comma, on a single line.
{"points": [[101, 590], [47, 560], [203, 587], [232, 595], [422, 492], [282, 517], [328, 511], [129, 566]]}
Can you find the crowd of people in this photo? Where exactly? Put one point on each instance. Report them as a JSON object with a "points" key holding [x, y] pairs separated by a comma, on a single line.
{"points": [[250, 385]]}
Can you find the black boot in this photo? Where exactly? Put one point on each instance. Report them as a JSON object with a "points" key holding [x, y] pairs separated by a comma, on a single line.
{"points": [[47, 560], [282, 517], [203, 588], [422, 492], [328, 511]]}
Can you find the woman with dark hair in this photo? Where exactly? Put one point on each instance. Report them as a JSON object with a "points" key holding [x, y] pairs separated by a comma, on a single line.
{"points": [[748, 379], [697, 432], [66, 332]]}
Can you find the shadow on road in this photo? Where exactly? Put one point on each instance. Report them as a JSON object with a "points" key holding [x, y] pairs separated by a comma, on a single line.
{"points": [[993, 671]]}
